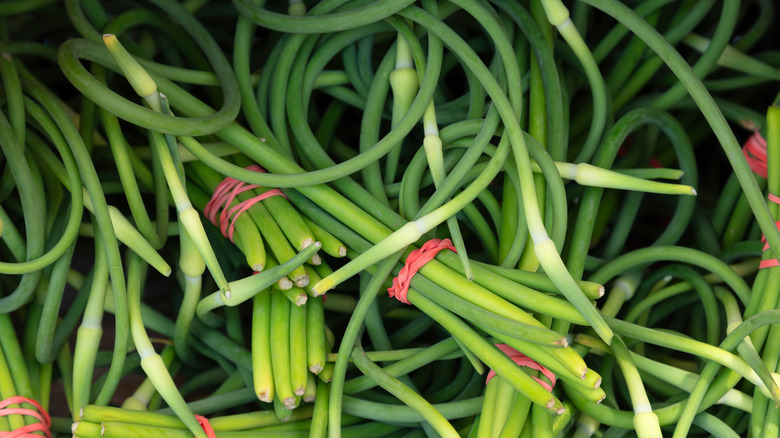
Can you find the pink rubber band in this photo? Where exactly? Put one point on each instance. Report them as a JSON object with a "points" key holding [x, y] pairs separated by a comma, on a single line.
{"points": [[26, 431], [204, 423], [525, 361], [416, 260], [755, 153], [224, 194]]}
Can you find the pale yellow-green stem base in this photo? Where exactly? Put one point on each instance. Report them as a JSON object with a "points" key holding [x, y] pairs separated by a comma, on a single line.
{"points": [[556, 12], [588, 175], [646, 425], [190, 220], [155, 370], [553, 265], [404, 236], [190, 261]]}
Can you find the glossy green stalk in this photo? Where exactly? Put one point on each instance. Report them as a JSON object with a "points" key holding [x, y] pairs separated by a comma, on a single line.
{"points": [[707, 106], [13, 93], [30, 192], [192, 267], [492, 357], [558, 16], [262, 371], [433, 152], [14, 376], [404, 393], [403, 365], [765, 298], [589, 175], [723, 34], [316, 343], [120, 150], [280, 349], [151, 362], [250, 286], [103, 219], [288, 219], [46, 348], [403, 82], [188, 216], [678, 342], [299, 369], [141, 398], [645, 420], [330, 244], [245, 234], [746, 349], [370, 13], [544, 247], [319, 420], [90, 332], [518, 416], [489, 402], [348, 341]]}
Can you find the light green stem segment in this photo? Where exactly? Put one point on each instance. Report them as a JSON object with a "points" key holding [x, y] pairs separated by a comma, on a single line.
{"points": [[190, 261], [677, 377], [433, 152], [746, 349], [90, 331], [645, 421], [550, 260], [188, 216], [151, 362], [588, 175], [146, 87], [130, 236], [248, 287], [403, 81], [558, 16], [706, 104], [139, 79], [554, 267], [404, 393], [734, 59], [190, 220], [262, 368]]}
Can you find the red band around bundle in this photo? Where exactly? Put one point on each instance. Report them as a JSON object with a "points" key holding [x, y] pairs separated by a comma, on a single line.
{"points": [[204, 423], [26, 431], [416, 260], [525, 361], [768, 263], [225, 192], [755, 153]]}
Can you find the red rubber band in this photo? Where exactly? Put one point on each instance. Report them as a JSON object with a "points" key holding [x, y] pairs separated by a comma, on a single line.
{"points": [[416, 260], [756, 156], [41, 415], [755, 153], [770, 262], [525, 361], [225, 192], [204, 423]]}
